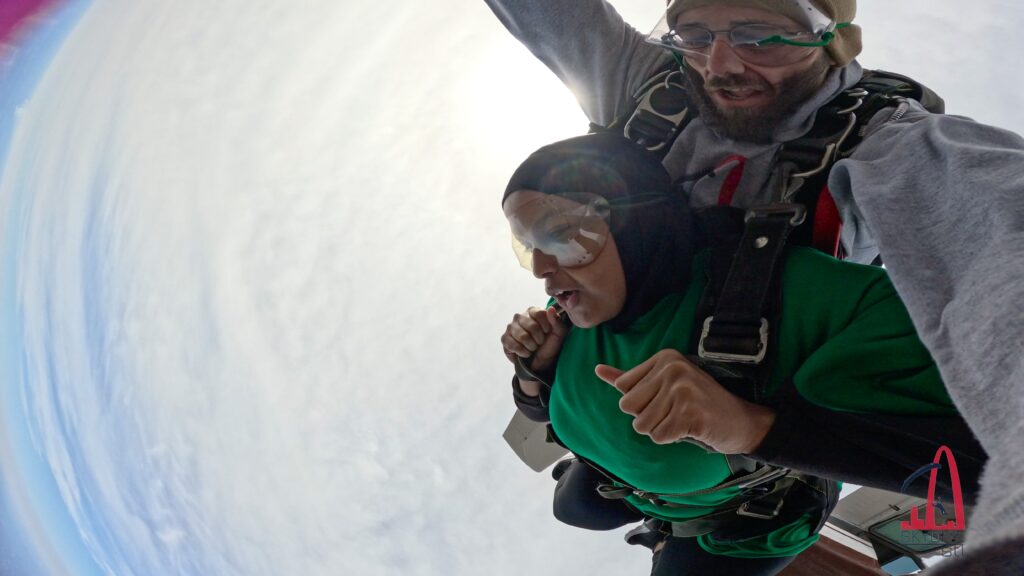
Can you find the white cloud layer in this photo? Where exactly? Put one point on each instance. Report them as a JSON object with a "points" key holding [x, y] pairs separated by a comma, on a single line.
{"points": [[265, 271]]}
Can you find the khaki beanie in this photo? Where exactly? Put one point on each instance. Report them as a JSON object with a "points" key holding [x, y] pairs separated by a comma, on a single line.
{"points": [[843, 48]]}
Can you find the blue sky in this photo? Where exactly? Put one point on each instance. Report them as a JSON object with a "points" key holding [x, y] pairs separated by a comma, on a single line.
{"points": [[36, 534]]}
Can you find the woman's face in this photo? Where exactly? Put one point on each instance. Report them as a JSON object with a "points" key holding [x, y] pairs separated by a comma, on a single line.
{"points": [[591, 293]]}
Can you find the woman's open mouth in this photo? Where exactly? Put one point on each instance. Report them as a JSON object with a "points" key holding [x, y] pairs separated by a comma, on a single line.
{"points": [[567, 298]]}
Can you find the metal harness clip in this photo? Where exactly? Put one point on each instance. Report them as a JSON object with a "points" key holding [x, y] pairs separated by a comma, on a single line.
{"points": [[762, 513], [729, 356], [798, 212]]}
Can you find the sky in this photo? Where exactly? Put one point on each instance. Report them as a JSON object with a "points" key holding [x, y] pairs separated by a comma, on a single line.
{"points": [[255, 271]]}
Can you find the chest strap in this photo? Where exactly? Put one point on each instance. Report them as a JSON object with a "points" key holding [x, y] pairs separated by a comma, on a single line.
{"points": [[660, 112], [737, 330]]}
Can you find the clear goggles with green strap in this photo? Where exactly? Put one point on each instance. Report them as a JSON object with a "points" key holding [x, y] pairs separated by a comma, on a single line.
{"points": [[571, 228], [760, 44]]}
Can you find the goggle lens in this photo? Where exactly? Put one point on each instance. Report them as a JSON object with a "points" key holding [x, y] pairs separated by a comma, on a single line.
{"points": [[571, 228], [758, 44]]}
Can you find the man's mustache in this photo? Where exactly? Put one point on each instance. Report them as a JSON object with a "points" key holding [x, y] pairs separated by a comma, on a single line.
{"points": [[732, 83]]}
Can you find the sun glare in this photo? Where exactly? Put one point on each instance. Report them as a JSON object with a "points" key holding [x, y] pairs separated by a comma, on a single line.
{"points": [[524, 101]]}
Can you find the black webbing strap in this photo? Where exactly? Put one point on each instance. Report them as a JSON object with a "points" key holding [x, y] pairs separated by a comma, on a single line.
{"points": [[839, 127], [737, 331], [746, 482], [762, 507], [751, 480]]}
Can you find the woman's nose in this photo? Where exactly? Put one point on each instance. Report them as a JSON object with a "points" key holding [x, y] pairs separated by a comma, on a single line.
{"points": [[543, 264]]}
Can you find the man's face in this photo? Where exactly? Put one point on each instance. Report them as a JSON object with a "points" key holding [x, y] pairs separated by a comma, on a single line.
{"points": [[740, 100]]}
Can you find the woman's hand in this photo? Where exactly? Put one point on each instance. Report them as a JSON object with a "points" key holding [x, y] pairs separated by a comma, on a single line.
{"points": [[536, 336], [672, 399]]}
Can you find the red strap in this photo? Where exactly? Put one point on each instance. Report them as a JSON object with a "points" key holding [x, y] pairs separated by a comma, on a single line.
{"points": [[732, 181], [827, 225]]}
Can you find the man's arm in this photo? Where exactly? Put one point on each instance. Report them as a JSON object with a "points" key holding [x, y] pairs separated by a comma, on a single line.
{"points": [[874, 450], [867, 405], [588, 46], [672, 399], [945, 198]]}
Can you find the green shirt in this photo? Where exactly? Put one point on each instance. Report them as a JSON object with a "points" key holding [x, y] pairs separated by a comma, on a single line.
{"points": [[845, 342]]}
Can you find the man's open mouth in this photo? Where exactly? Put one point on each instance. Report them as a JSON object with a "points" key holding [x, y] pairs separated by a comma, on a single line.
{"points": [[738, 93]]}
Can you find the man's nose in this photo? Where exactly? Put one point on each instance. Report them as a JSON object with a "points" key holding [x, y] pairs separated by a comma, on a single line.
{"points": [[723, 60], [543, 264]]}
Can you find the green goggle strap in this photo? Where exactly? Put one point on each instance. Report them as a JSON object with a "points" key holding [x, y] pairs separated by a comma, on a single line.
{"points": [[825, 39]]}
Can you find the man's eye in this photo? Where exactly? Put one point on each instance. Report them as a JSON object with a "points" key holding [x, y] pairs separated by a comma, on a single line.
{"points": [[691, 39], [754, 35]]}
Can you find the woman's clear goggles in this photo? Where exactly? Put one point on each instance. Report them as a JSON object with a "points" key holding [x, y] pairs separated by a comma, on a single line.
{"points": [[571, 228], [766, 45]]}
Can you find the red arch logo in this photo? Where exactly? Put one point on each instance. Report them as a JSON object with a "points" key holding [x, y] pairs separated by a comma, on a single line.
{"points": [[928, 523]]}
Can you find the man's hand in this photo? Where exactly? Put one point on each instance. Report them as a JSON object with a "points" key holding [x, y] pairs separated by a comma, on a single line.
{"points": [[537, 335], [671, 399]]}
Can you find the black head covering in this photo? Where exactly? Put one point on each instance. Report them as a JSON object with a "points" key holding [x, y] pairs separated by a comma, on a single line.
{"points": [[650, 223]]}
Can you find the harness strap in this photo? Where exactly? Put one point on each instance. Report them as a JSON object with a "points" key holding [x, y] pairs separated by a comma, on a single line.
{"points": [[766, 507], [827, 226], [759, 477], [737, 331], [753, 484], [838, 129], [732, 181]]}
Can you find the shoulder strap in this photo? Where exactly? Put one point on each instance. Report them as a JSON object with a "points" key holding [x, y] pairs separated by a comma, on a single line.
{"points": [[659, 112], [838, 129]]}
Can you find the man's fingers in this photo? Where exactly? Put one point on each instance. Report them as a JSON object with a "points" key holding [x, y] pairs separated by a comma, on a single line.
{"points": [[636, 400], [608, 373], [655, 410], [672, 429], [628, 379]]}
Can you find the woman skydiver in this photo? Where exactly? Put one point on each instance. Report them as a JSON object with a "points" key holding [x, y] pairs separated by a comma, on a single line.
{"points": [[851, 393]]}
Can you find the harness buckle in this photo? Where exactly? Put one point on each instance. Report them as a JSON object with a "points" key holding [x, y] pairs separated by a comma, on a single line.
{"points": [[761, 510], [797, 212], [832, 150], [755, 358], [610, 492], [658, 115]]}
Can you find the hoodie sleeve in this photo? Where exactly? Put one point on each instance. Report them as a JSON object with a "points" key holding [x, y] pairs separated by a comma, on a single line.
{"points": [[875, 450], [531, 406], [944, 195]]}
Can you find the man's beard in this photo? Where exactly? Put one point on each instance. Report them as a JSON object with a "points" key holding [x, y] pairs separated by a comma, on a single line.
{"points": [[756, 124]]}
